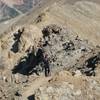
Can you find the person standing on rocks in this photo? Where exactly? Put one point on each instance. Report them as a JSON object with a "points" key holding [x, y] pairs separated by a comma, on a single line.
{"points": [[46, 65], [42, 56]]}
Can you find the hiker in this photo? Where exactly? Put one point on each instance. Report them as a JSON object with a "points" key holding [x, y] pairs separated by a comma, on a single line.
{"points": [[42, 57], [46, 65]]}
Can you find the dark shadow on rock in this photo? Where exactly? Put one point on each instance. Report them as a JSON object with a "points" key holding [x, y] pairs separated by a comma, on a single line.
{"points": [[90, 65], [32, 97], [29, 64], [15, 46], [26, 64], [68, 46]]}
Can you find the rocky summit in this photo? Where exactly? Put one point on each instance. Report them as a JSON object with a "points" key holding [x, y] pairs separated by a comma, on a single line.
{"points": [[50, 50]]}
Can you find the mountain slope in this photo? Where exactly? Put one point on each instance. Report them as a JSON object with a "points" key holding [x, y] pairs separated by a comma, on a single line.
{"points": [[82, 17], [67, 32], [12, 8]]}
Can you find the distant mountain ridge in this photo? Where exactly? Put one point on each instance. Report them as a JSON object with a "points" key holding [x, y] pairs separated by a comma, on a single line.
{"points": [[12, 8], [13, 2], [7, 12]]}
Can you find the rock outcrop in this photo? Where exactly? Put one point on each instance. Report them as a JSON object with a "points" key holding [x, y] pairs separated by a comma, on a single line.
{"points": [[52, 53]]}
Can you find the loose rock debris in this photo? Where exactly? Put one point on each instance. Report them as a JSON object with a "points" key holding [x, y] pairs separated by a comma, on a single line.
{"points": [[58, 49]]}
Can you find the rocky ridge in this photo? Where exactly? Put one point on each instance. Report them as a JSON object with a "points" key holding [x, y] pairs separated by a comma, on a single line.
{"points": [[65, 50], [74, 60]]}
